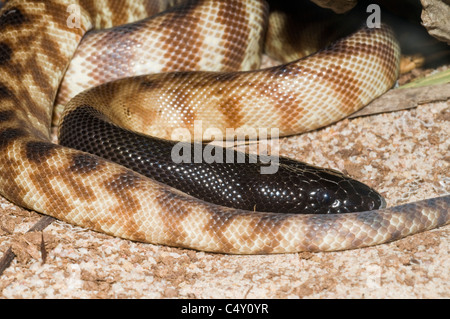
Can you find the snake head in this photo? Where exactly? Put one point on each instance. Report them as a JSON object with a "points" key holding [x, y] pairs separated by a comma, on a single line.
{"points": [[336, 193], [352, 196], [316, 190]]}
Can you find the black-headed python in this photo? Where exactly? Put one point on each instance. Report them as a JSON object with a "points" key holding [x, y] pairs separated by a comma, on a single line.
{"points": [[37, 41]]}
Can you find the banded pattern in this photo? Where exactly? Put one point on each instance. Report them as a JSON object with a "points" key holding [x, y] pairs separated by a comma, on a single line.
{"points": [[199, 35], [294, 98], [300, 28], [36, 46]]}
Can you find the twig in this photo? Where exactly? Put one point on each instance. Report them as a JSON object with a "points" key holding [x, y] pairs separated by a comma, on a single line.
{"points": [[402, 99], [9, 256]]}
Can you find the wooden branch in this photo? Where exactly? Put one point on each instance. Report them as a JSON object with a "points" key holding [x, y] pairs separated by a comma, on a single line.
{"points": [[407, 98]]}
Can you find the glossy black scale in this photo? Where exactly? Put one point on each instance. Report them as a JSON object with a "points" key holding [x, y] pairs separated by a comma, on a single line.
{"points": [[295, 188]]}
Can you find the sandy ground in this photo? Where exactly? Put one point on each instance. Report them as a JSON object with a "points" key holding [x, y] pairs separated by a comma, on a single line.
{"points": [[405, 155]]}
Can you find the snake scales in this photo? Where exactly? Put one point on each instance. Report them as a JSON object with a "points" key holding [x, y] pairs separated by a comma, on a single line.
{"points": [[36, 46]]}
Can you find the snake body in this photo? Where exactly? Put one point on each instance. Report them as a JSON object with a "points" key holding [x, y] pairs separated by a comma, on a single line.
{"points": [[295, 187], [36, 45]]}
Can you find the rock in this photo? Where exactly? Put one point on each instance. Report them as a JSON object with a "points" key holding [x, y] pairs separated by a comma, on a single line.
{"points": [[436, 18]]}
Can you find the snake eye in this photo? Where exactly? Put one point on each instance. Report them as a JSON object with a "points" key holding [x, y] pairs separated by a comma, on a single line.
{"points": [[324, 197]]}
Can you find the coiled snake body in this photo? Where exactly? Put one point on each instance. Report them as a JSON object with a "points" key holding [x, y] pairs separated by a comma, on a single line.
{"points": [[36, 45]]}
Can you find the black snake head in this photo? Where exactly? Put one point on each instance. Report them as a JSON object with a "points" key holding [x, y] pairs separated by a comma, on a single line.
{"points": [[347, 196], [318, 190]]}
